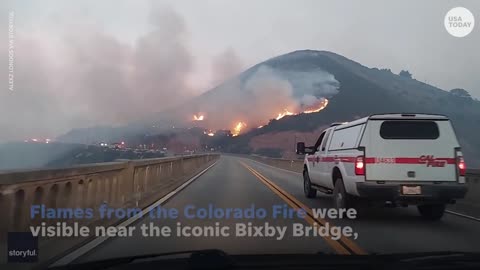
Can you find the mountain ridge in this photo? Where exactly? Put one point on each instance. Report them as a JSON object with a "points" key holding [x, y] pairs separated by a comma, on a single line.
{"points": [[361, 91]]}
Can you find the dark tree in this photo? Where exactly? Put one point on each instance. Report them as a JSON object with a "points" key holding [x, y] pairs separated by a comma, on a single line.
{"points": [[405, 73], [459, 92]]}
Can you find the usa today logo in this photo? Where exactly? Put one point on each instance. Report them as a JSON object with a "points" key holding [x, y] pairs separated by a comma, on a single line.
{"points": [[459, 22]]}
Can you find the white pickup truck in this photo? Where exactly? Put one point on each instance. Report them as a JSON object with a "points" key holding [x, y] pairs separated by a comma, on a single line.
{"points": [[392, 159]]}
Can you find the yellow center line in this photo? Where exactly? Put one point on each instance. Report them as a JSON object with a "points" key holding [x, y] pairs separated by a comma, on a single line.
{"points": [[296, 204]]}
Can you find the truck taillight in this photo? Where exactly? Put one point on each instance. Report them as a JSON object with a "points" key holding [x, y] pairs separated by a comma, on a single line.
{"points": [[462, 167], [359, 165]]}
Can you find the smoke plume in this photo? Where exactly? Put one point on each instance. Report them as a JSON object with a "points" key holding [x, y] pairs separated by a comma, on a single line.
{"points": [[77, 75], [264, 94], [225, 66]]}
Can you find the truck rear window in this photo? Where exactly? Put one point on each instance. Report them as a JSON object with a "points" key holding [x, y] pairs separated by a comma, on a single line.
{"points": [[400, 129]]}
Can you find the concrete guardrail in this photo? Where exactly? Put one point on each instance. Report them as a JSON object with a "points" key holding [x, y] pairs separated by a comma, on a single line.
{"points": [[135, 183], [115, 183]]}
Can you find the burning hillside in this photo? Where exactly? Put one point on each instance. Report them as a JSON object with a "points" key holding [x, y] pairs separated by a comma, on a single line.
{"points": [[312, 109], [198, 117], [241, 126], [299, 83], [264, 94]]}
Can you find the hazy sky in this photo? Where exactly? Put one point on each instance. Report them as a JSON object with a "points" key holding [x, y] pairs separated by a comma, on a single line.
{"points": [[195, 44]]}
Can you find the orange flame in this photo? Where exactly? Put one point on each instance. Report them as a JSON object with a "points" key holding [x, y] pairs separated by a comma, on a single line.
{"points": [[323, 104], [286, 112], [283, 114], [199, 117], [238, 128]]}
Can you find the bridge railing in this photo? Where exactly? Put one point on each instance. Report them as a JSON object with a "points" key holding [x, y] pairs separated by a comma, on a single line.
{"points": [[119, 184]]}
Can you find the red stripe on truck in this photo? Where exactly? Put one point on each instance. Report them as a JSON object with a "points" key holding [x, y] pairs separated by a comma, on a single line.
{"points": [[408, 160], [386, 160]]}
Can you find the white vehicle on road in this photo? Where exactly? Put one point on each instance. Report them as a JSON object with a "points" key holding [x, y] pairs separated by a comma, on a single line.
{"points": [[393, 159]]}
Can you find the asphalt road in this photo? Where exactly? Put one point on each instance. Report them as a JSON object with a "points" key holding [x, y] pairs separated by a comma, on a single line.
{"points": [[238, 182]]}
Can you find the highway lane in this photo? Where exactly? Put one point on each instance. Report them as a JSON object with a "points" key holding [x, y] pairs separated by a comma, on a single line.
{"points": [[387, 230], [239, 182], [227, 184]]}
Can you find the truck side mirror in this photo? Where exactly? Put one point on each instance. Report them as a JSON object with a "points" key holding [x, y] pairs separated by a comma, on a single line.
{"points": [[300, 148]]}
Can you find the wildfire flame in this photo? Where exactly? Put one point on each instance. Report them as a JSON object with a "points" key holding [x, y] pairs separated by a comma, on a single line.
{"points": [[320, 107], [283, 114], [199, 117], [238, 128]]}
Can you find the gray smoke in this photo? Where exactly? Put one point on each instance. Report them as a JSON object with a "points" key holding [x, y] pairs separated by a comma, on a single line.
{"points": [[264, 94], [225, 66], [77, 75]]}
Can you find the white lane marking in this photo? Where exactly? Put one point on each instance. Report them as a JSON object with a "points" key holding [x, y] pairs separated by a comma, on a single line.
{"points": [[97, 241], [462, 215], [273, 166]]}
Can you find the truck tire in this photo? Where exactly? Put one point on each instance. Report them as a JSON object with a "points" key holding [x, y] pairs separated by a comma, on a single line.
{"points": [[340, 197], [309, 191], [431, 211]]}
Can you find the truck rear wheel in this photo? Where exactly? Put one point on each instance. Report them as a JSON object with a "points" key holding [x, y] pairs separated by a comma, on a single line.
{"points": [[340, 197], [309, 191], [432, 211]]}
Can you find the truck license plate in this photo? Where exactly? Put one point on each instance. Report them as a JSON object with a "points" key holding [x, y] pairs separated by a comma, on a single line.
{"points": [[411, 190]]}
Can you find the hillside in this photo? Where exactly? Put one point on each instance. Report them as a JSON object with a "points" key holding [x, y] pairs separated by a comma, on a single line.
{"points": [[353, 91], [365, 91]]}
